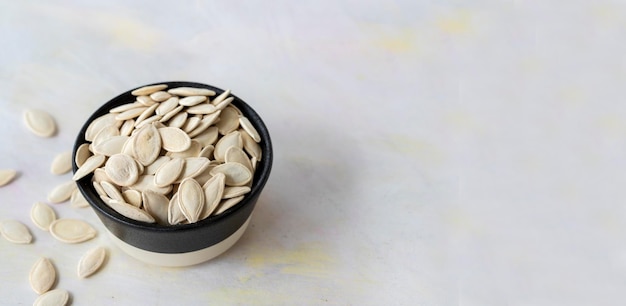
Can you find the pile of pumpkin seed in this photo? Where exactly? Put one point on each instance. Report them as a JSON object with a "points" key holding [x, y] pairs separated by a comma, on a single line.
{"points": [[172, 156]]}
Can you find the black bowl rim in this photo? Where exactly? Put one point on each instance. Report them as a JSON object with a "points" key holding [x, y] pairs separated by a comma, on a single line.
{"points": [[261, 173]]}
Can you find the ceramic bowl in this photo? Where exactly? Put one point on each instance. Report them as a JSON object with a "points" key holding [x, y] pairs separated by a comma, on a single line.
{"points": [[182, 244]]}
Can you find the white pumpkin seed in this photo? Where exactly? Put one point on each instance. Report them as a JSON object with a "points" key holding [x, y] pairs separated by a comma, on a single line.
{"points": [[174, 139], [236, 173], [156, 205], [178, 121], [40, 123], [78, 200], [160, 96], [204, 108], [206, 122], [166, 106], [6, 176], [42, 275], [236, 155], [213, 190], [146, 182], [169, 172], [131, 113], [82, 154], [206, 151], [194, 166], [132, 197], [98, 188], [249, 128], [208, 137], [193, 151], [191, 124], [229, 140], [106, 133], [153, 167], [226, 204], [252, 147], [191, 91], [100, 175], [124, 107], [154, 119], [127, 127], [72, 230], [62, 163], [224, 103], [190, 199], [122, 169], [146, 101], [62, 192], [147, 145], [110, 146], [174, 214], [55, 297], [232, 192], [112, 191], [221, 97], [146, 113], [205, 176], [192, 100], [89, 166], [98, 124], [16, 232], [229, 121], [42, 215], [91, 261], [171, 113], [146, 90]]}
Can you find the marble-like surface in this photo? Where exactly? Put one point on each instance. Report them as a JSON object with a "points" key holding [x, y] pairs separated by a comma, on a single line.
{"points": [[426, 152]]}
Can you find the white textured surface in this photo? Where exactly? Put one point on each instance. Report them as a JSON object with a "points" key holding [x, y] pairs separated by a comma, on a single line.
{"points": [[426, 153]]}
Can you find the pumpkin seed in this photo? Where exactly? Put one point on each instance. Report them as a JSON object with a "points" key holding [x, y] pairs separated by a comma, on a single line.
{"points": [[56, 297], [72, 230], [156, 205], [232, 192], [221, 97], [146, 101], [226, 204], [122, 169], [16, 232], [249, 128], [42, 215], [6, 176], [251, 146], [191, 91], [77, 200], [146, 113], [174, 139], [98, 124], [89, 166], [213, 190], [154, 119], [205, 124], [178, 120], [131, 113], [91, 261], [62, 192], [229, 121], [194, 166], [129, 211], [98, 188], [193, 151], [191, 124], [110, 146], [224, 103], [40, 123], [100, 175], [174, 214], [204, 108], [190, 199], [62, 163], [192, 100], [229, 140], [153, 167], [146, 90], [206, 151], [209, 136], [124, 107], [166, 106], [82, 154], [42, 275], [169, 172], [146, 182], [236, 173], [236, 155], [112, 191], [171, 113], [160, 96], [132, 197], [147, 145]]}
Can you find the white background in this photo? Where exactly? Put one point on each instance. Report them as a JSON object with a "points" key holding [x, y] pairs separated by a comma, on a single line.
{"points": [[426, 152]]}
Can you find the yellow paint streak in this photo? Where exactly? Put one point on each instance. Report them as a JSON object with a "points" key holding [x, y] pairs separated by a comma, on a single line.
{"points": [[305, 260], [455, 23], [401, 41]]}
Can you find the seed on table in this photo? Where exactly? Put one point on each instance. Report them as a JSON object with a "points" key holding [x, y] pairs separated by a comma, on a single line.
{"points": [[16, 232], [213, 190], [40, 123], [169, 172], [55, 297], [62, 163], [174, 139], [160, 96], [42, 215], [236, 173], [191, 91], [62, 192], [122, 169], [226, 204], [192, 100], [42, 275], [77, 200], [72, 230], [89, 166], [190, 199], [146, 90], [91, 261], [6, 176]]}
